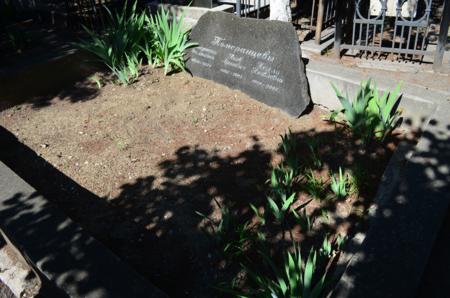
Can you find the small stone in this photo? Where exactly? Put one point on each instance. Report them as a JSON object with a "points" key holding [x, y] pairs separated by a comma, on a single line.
{"points": [[168, 215]]}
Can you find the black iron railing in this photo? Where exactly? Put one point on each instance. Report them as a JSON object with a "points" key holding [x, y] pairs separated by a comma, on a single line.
{"points": [[403, 33]]}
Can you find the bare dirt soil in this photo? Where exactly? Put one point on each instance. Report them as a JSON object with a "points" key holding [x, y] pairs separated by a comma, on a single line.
{"points": [[134, 164]]}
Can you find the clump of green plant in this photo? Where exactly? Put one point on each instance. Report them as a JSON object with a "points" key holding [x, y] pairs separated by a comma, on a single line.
{"points": [[119, 46], [128, 72], [368, 115], [327, 247], [97, 80], [233, 238], [170, 42], [313, 146], [314, 185], [289, 149], [356, 111], [280, 205], [385, 110], [241, 238], [122, 145], [339, 184], [340, 241], [305, 221], [330, 248], [282, 195], [297, 278], [282, 180], [260, 216], [358, 179], [222, 227]]}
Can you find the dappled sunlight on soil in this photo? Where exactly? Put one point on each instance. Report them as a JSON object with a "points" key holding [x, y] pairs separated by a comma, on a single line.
{"points": [[145, 158]]}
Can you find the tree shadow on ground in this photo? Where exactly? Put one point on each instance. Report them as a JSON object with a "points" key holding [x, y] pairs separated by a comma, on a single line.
{"points": [[57, 80], [48, 68], [154, 226]]}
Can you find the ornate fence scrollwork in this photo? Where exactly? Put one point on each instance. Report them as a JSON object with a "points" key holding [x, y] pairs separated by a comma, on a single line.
{"points": [[416, 25], [400, 31]]}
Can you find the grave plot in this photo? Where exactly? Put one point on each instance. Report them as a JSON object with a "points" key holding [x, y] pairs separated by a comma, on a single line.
{"points": [[204, 190], [166, 157]]}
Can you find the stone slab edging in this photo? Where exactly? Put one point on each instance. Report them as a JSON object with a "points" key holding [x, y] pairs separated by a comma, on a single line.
{"points": [[72, 263]]}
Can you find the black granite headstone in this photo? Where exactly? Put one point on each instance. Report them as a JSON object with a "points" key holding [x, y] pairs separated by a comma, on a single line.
{"points": [[259, 57]]}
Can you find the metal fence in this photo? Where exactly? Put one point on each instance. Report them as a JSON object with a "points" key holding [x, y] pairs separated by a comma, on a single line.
{"points": [[72, 13], [323, 17], [90, 13], [393, 29], [250, 8], [310, 15], [323, 11]]}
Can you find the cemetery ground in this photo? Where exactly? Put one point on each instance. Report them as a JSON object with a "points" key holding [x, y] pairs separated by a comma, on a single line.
{"points": [[205, 191], [147, 169]]}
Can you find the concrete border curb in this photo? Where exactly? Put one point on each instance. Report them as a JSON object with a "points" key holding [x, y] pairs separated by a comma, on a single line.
{"points": [[72, 263]]}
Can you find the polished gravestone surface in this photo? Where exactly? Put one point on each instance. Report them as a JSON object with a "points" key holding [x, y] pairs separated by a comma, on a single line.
{"points": [[260, 57]]}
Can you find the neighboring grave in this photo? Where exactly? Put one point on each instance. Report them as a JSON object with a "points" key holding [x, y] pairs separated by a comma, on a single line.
{"points": [[260, 57]]}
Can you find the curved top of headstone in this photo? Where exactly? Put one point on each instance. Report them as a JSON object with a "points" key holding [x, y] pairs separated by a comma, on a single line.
{"points": [[260, 57]]}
